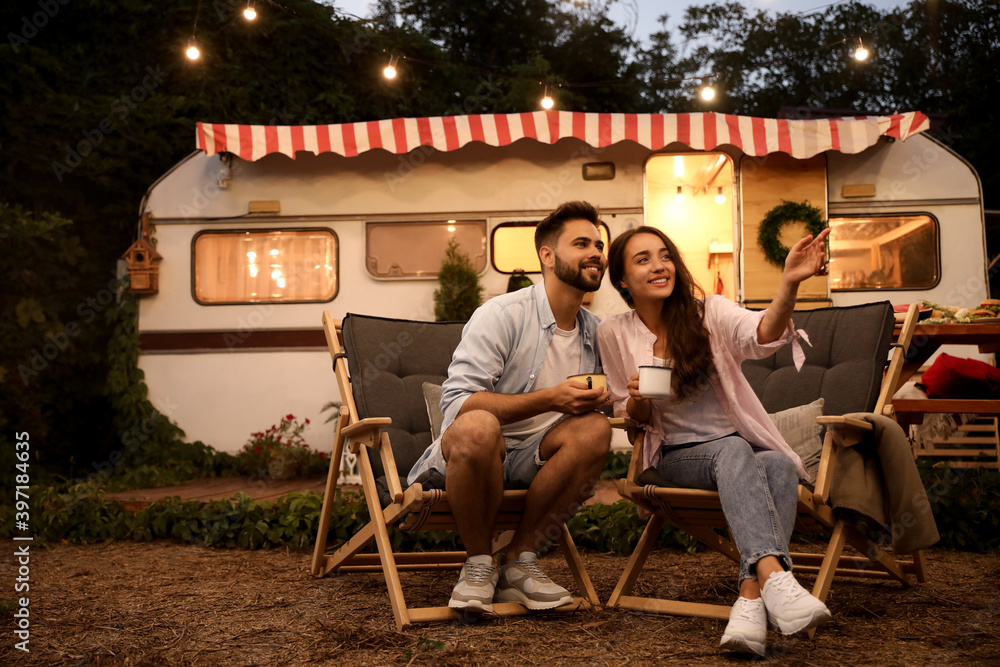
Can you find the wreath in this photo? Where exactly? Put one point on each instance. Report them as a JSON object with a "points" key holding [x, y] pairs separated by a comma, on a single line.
{"points": [[783, 213]]}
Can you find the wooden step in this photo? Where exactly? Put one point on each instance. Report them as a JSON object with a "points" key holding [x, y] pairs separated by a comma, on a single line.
{"points": [[949, 453], [970, 440], [978, 428]]}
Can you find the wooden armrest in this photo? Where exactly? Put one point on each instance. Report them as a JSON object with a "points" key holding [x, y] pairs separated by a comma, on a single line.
{"points": [[621, 422], [847, 431], [371, 426], [838, 421]]}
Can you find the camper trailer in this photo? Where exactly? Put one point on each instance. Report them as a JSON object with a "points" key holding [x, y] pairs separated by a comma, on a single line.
{"points": [[263, 228]]}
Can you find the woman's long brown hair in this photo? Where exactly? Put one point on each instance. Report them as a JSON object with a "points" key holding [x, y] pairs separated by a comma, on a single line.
{"points": [[688, 341]]}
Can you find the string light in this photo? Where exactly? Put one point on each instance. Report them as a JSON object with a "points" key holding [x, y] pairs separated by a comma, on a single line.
{"points": [[390, 69], [860, 52], [547, 101], [707, 91], [192, 50], [250, 13], [720, 198]]}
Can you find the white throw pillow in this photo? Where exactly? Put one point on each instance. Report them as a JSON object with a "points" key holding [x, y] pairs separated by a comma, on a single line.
{"points": [[432, 397], [799, 429]]}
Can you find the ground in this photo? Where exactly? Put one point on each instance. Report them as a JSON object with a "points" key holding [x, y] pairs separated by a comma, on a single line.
{"points": [[168, 604]]}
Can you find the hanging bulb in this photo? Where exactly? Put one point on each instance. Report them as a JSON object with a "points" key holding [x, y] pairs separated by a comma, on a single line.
{"points": [[860, 52], [390, 69], [547, 101], [707, 92], [720, 198], [680, 194], [192, 50], [250, 13]]}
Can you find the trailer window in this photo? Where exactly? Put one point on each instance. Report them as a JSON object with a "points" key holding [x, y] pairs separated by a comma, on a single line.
{"points": [[513, 246], [416, 249], [275, 266], [884, 252]]}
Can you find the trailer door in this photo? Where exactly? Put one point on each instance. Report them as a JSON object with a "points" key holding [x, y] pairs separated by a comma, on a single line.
{"points": [[764, 183]]}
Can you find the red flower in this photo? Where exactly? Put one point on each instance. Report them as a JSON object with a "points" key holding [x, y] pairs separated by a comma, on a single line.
{"points": [[307, 420], [256, 450], [322, 455], [289, 417]]}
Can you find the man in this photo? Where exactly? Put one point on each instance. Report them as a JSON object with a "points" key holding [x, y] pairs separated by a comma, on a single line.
{"points": [[512, 419]]}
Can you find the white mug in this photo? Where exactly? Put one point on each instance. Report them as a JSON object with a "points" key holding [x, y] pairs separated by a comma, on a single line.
{"points": [[654, 381]]}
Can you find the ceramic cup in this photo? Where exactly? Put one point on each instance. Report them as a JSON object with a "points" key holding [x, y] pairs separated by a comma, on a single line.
{"points": [[654, 381], [592, 380]]}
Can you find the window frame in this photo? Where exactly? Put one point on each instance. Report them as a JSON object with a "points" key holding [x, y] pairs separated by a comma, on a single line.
{"points": [[872, 216], [246, 230], [430, 276], [528, 223]]}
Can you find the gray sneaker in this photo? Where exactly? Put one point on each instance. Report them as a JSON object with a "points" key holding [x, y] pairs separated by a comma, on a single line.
{"points": [[476, 583], [790, 608], [524, 582]]}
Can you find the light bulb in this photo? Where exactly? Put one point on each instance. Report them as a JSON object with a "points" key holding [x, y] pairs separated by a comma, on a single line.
{"points": [[708, 93], [547, 101], [192, 50], [861, 54], [720, 198], [390, 70], [250, 13], [680, 194]]}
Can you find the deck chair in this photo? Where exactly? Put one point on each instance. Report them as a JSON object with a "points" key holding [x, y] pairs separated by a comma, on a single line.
{"points": [[381, 365], [846, 366]]}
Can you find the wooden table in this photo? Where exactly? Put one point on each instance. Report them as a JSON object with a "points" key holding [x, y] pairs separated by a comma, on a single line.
{"points": [[927, 339]]}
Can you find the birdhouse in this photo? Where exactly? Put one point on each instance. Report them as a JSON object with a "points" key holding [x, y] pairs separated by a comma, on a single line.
{"points": [[143, 267]]}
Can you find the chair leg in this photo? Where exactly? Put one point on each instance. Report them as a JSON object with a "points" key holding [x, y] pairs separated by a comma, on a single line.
{"points": [[328, 497], [384, 545], [583, 583], [920, 566], [638, 558]]}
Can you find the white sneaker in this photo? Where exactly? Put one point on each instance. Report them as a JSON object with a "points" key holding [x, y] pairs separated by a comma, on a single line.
{"points": [[747, 629], [790, 608], [476, 583], [524, 582]]}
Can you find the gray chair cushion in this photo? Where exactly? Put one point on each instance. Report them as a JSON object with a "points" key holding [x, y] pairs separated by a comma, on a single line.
{"points": [[850, 347], [389, 360]]}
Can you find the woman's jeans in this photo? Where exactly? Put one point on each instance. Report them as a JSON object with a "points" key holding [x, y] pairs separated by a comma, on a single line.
{"points": [[758, 489]]}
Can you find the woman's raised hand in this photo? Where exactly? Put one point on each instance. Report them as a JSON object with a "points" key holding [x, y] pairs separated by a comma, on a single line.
{"points": [[807, 258]]}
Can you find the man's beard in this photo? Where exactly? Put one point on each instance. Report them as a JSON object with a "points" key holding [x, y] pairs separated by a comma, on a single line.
{"points": [[577, 277]]}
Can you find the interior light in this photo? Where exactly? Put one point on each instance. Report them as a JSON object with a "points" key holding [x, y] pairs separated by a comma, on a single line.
{"points": [[251, 255], [547, 101], [274, 251], [253, 270], [250, 13], [390, 69], [680, 194], [720, 198], [281, 283], [275, 274], [192, 50]]}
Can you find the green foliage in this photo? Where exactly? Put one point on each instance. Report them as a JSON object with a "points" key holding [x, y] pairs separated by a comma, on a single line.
{"points": [[423, 645], [459, 293], [966, 505], [280, 452]]}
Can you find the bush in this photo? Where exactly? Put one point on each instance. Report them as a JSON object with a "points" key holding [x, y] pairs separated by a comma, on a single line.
{"points": [[459, 293], [281, 452]]}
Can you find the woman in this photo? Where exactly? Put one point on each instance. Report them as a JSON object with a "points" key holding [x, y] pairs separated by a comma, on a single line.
{"points": [[713, 433]]}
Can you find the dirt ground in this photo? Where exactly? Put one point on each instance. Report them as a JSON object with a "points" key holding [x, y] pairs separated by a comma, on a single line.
{"points": [[166, 604]]}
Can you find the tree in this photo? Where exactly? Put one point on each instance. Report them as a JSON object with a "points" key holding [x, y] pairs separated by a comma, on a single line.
{"points": [[459, 293]]}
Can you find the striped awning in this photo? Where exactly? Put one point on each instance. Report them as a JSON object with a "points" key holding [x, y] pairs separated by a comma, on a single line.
{"points": [[701, 131]]}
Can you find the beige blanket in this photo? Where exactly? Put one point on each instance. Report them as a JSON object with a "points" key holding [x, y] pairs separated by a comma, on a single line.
{"points": [[878, 478]]}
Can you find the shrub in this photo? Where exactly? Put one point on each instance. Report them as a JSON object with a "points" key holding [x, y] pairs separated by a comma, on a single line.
{"points": [[459, 293], [281, 452]]}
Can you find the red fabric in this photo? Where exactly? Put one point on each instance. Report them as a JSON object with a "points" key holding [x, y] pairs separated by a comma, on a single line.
{"points": [[954, 377]]}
